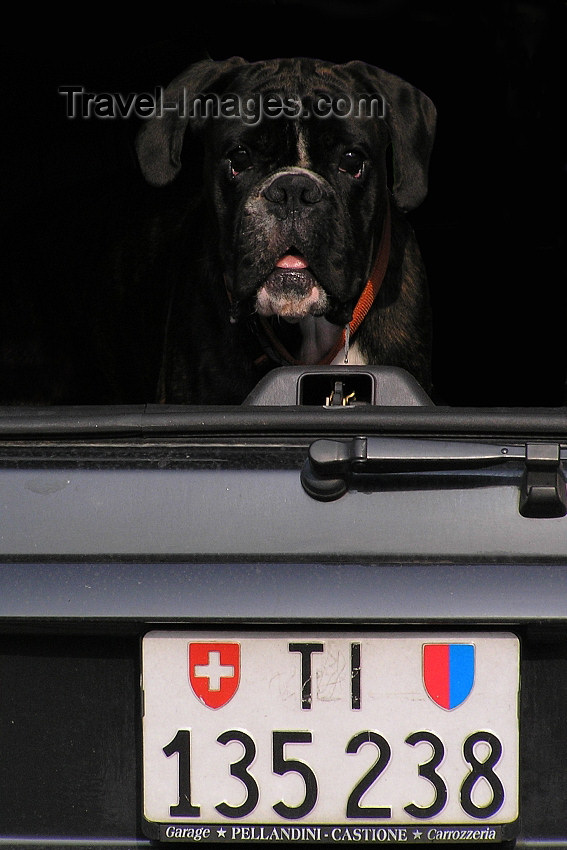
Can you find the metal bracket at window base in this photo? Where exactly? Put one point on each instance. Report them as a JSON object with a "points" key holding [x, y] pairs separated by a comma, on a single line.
{"points": [[337, 398], [543, 492], [330, 463]]}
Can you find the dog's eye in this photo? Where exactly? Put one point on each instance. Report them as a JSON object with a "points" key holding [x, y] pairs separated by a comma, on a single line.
{"points": [[240, 160], [351, 162]]}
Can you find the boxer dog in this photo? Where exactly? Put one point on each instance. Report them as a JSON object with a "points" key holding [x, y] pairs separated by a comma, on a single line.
{"points": [[268, 226], [296, 248]]}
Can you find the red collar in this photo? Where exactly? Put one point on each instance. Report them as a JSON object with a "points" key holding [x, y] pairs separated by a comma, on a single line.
{"points": [[369, 292]]}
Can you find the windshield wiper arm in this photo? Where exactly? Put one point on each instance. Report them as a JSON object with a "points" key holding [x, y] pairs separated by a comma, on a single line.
{"points": [[330, 463]]}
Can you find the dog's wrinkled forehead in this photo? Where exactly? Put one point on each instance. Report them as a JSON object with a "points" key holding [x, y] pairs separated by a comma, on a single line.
{"points": [[298, 89], [300, 84], [286, 125], [302, 77], [308, 93]]}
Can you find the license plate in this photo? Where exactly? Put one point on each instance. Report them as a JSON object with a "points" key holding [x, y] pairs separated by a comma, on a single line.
{"points": [[330, 737]]}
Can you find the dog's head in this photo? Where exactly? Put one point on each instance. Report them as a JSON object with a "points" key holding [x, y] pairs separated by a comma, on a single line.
{"points": [[296, 169]]}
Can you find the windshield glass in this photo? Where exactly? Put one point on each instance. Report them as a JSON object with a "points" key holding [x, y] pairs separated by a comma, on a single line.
{"points": [[287, 185]]}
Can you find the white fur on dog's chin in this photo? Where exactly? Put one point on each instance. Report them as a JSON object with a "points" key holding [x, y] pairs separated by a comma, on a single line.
{"points": [[292, 309]]}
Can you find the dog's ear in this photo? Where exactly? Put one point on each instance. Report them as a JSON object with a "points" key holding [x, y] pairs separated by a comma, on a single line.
{"points": [[411, 117], [160, 141]]}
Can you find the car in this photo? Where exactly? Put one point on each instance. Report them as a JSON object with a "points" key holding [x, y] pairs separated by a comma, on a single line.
{"points": [[326, 544], [333, 614]]}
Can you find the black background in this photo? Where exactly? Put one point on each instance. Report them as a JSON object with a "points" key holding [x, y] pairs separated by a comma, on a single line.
{"points": [[493, 225]]}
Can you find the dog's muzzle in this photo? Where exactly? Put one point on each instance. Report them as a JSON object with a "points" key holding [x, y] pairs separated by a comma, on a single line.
{"points": [[291, 290]]}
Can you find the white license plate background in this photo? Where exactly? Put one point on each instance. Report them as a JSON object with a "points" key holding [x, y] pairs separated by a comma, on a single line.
{"points": [[394, 702]]}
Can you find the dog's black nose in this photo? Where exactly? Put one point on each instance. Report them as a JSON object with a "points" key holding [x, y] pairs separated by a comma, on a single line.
{"points": [[293, 191]]}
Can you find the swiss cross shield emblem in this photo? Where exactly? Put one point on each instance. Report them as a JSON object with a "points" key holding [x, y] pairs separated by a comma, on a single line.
{"points": [[214, 672]]}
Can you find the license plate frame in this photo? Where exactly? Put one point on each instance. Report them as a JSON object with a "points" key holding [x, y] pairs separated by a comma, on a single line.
{"points": [[212, 740]]}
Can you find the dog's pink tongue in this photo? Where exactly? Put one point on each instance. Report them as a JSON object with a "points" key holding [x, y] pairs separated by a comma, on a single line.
{"points": [[292, 261]]}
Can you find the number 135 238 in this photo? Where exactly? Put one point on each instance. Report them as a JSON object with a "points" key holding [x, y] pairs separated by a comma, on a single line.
{"points": [[332, 729]]}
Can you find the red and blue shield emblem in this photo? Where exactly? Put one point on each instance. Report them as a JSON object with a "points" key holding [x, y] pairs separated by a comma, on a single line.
{"points": [[448, 672], [214, 672]]}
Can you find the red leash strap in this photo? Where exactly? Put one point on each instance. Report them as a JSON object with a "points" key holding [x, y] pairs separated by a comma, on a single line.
{"points": [[369, 292]]}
